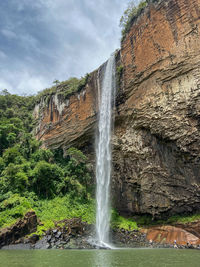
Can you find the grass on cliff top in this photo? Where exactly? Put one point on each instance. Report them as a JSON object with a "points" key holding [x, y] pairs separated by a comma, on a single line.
{"points": [[131, 14], [64, 89]]}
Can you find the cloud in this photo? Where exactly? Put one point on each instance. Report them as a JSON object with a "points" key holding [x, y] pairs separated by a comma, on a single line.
{"points": [[2, 55], [21, 81], [8, 33], [43, 40]]}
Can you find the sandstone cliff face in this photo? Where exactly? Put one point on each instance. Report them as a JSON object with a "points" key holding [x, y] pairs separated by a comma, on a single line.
{"points": [[156, 143], [61, 122], [157, 138]]}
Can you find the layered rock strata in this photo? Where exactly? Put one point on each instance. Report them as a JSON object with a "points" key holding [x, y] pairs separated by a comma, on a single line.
{"points": [[157, 134], [156, 143]]}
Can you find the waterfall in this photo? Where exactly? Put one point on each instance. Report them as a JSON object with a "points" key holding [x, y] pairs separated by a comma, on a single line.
{"points": [[103, 154]]}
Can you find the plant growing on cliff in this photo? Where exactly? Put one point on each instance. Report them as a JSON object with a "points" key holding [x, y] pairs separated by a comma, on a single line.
{"points": [[119, 74], [56, 82], [130, 15], [63, 89]]}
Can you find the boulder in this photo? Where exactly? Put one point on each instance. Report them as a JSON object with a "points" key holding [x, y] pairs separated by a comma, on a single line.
{"points": [[23, 227], [168, 234]]}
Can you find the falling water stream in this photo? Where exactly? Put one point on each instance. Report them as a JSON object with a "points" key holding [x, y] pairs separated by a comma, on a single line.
{"points": [[103, 154]]}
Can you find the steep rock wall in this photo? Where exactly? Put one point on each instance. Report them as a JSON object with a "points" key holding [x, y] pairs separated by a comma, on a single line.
{"points": [[157, 138], [156, 152], [67, 122]]}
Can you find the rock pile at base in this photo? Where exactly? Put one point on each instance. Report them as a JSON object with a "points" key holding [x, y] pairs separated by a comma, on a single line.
{"points": [[67, 234]]}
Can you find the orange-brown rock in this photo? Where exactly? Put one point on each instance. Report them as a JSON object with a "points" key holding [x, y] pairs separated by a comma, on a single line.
{"points": [[156, 143], [65, 121], [192, 227], [170, 235]]}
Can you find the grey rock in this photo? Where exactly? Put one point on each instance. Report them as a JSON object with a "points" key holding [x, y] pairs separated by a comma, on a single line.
{"points": [[17, 247], [42, 244]]}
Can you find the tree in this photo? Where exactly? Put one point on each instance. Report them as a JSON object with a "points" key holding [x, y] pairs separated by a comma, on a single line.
{"points": [[77, 176], [14, 179], [42, 154], [46, 178], [4, 92], [2, 165], [12, 155], [56, 82]]}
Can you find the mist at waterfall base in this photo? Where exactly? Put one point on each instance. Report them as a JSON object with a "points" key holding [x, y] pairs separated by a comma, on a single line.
{"points": [[103, 155]]}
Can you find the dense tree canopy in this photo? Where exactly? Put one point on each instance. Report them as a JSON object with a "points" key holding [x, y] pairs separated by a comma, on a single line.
{"points": [[25, 167]]}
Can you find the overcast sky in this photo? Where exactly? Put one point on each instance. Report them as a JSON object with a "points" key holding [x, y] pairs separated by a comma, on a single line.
{"points": [[44, 40]]}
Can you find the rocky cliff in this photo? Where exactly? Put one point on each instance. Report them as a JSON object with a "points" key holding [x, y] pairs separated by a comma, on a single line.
{"points": [[156, 142]]}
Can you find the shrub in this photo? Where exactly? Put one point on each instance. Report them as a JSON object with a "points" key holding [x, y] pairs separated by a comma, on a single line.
{"points": [[130, 14], [13, 208], [119, 74], [122, 223], [63, 89]]}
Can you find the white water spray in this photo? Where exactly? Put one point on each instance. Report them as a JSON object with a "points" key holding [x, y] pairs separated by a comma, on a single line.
{"points": [[103, 154]]}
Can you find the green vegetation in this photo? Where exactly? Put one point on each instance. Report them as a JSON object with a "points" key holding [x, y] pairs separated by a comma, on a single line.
{"points": [[12, 207], [32, 177], [183, 218], [146, 220], [59, 208], [27, 168], [119, 72], [56, 82], [15, 119], [48, 211], [64, 89], [130, 15], [121, 222]]}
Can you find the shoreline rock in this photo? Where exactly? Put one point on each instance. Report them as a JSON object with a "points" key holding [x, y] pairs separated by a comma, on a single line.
{"points": [[75, 234], [13, 234]]}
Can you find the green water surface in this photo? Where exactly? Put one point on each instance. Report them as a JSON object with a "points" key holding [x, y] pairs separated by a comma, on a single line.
{"points": [[100, 258]]}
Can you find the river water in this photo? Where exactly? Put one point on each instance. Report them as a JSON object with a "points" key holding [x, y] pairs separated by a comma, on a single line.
{"points": [[100, 258]]}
